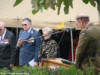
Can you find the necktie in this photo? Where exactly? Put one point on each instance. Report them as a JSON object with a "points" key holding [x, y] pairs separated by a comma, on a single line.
{"points": [[1, 38]]}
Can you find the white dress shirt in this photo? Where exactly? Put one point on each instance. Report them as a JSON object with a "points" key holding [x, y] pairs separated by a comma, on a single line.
{"points": [[2, 36]]}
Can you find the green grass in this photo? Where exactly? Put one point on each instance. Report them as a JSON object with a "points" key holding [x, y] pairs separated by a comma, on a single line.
{"points": [[72, 70]]}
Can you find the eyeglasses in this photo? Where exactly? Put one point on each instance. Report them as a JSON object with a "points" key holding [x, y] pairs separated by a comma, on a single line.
{"points": [[24, 24]]}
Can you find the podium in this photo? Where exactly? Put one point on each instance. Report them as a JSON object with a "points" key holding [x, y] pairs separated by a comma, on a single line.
{"points": [[56, 62]]}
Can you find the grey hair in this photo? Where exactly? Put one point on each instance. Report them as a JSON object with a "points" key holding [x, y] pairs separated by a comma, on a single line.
{"points": [[27, 19], [48, 30]]}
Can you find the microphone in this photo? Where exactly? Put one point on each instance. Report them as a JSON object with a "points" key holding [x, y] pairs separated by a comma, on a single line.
{"points": [[30, 40], [67, 61]]}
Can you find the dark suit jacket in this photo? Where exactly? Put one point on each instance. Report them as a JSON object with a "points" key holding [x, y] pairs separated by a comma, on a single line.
{"points": [[7, 51]]}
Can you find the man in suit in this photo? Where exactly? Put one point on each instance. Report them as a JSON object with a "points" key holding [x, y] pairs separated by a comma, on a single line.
{"points": [[28, 50], [88, 50], [7, 47]]}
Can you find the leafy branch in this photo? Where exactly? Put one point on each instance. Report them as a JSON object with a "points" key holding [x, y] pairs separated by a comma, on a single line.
{"points": [[40, 5]]}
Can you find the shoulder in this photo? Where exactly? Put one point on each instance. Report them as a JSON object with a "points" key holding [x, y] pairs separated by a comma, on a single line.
{"points": [[9, 33], [88, 29], [33, 31], [21, 31], [88, 32], [90, 25], [36, 33]]}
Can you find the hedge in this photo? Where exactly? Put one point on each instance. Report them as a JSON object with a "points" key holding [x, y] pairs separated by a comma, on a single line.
{"points": [[26, 70]]}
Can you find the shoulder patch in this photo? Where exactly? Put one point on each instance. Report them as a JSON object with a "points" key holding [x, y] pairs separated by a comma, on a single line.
{"points": [[83, 33]]}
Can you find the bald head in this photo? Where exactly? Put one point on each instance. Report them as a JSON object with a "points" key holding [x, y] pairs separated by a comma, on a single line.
{"points": [[2, 25], [2, 28]]}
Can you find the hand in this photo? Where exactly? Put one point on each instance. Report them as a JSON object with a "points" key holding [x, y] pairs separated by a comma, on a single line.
{"points": [[6, 41], [19, 43], [74, 62], [40, 64], [35, 63], [11, 65]]}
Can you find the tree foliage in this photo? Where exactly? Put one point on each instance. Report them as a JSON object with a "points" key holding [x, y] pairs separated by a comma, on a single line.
{"points": [[98, 7], [17, 2], [40, 5]]}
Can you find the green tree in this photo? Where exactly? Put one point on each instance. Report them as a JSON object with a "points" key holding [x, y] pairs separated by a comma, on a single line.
{"points": [[98, 8], [39, 5]]}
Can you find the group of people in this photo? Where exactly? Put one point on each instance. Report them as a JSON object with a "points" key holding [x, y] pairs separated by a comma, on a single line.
{"points": [[34, 48]]}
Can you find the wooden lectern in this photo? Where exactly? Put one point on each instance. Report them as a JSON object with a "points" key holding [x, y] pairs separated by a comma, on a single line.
{"points": [[53, 62]]}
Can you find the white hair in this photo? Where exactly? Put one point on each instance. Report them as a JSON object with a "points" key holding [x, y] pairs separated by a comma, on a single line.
{"points": [[28, 20], [48, 30]]}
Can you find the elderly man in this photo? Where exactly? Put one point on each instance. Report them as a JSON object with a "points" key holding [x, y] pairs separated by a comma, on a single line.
{"points": [[7, 47], [88, 49], [28, 48]]}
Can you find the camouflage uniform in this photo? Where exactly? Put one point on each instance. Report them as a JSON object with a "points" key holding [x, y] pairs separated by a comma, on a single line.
{"points": [[49, 49], [88, 48]]}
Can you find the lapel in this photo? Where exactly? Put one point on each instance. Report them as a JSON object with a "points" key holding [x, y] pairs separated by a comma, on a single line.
{"points": [[7, 34], [32, 31]]}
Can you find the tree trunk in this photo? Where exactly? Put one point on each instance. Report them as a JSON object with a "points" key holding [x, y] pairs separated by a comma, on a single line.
{"points": [[98, 8]]}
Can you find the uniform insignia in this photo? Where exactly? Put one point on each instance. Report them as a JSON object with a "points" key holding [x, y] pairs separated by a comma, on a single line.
{"points": [[83, 33]]}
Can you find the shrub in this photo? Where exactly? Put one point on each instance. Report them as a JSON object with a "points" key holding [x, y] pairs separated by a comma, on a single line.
{"points": [[26, 70]]}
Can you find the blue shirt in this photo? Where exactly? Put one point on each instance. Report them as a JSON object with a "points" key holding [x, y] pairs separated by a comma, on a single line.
{"points": [[29, 51]]}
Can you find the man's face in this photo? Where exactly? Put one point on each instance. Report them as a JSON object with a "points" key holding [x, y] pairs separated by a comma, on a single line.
{"points": [[26, 25], [79, 24], [46, 35]]}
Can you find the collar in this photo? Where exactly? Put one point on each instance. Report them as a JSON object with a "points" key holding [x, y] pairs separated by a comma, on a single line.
{"points": [[3, 34], [29, 30]]}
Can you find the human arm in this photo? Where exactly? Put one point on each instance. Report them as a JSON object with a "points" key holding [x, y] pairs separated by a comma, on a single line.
{"points": [[12, 48], [37, 47], [52, 50], [82, 48]]}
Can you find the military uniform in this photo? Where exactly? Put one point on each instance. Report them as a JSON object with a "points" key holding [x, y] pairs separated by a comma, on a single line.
{"points": [[88, 50], [49, 49]]}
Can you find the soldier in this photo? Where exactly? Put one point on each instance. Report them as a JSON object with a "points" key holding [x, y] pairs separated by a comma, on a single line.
{"points": [[88, 50]]}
